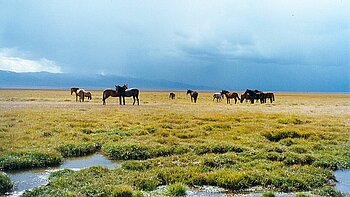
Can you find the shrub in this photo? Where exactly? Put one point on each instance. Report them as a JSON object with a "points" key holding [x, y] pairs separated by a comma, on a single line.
{"points": [[177, 189], [21, 160], [78, 149], [5, 183]]}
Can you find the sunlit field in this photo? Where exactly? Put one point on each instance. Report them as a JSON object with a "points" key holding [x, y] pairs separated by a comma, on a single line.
{"points": [[291, 145]]}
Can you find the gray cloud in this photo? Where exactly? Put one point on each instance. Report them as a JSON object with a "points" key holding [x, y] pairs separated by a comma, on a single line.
{"points": [[225, 43]]}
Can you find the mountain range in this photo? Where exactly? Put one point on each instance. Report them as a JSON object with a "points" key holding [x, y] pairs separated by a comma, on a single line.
{"points": [[46, 80]]}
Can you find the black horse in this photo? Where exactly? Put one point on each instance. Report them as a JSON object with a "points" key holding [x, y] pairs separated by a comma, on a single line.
{"points": [[194, 95], [254, 95], [125, 92]]}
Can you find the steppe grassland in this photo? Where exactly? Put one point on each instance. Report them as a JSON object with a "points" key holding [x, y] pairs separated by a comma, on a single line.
{"points": [[290, 145]]}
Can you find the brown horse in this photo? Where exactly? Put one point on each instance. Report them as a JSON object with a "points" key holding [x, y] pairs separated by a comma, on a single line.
{"points": [[194, 95], [125, 92], [88, 95], [230, 95], [110, 92], [269, 95], [81, 93], [171, 95], [75, 90]]}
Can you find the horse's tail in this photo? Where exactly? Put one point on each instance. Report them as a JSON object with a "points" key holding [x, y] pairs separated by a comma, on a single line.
{"points": [[104, 98]]}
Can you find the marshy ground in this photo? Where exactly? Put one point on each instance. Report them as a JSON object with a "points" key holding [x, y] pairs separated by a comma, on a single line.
{"points": [[293, 144]]}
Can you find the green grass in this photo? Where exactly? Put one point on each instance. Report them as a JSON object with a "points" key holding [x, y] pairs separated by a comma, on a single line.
{"points": [[5, 183], [293, 144], [176, 189]]}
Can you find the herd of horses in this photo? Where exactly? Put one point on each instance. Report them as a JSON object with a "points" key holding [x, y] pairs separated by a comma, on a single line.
{"points": [[248, 95], [124, 91]]}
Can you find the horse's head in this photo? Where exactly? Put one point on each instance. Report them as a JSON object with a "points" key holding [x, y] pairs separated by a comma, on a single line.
{"points": [[126, 86], [224, 92], [189, 91], [120, 89], [73, 90]]}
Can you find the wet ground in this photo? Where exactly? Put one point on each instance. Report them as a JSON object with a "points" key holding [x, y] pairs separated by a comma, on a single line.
{"points": [[28, 179]]}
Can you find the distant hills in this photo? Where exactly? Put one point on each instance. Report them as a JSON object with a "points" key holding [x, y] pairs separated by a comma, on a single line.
{"points": [[45, 80]]}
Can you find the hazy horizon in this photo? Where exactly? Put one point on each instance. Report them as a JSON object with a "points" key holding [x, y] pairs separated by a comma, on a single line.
{"points": [[267, 45]]}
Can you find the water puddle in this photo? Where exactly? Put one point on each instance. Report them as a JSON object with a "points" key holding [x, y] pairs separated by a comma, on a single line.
{"points": [[28, 179], [343, 178]]}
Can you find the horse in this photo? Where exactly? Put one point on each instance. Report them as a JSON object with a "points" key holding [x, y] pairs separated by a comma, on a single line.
{"points": [[75, 90], [269, 95], [218, 96], [81, 93], [88, 95], [258, 95], [171, 95], [110, 92], [194, 95], [230, 95], [125, 92], [245, 96]]}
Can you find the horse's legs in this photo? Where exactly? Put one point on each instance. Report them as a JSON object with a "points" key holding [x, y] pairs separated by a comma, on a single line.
{"points": [[133, 97], [123, 100], [235, 100]]}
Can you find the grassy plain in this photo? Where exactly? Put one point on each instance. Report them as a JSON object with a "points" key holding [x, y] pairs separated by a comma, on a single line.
{"points": [[293, 144]]}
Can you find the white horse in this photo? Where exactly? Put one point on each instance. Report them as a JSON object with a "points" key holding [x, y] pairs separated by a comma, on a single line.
{"points": [[218, 96]]}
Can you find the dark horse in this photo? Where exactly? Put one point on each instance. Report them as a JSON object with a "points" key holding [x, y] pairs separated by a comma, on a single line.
{"points": [[253, 95], [88, 95], [171, 95], [245, 97], [194, 95], [75, 90], [125, 92], [110, 92], [230, 95], [269, 95]]}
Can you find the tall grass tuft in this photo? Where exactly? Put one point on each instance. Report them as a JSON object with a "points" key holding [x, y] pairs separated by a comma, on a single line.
{"points": [[5, 183], [33, 159], [78, 149], [177, 189]]}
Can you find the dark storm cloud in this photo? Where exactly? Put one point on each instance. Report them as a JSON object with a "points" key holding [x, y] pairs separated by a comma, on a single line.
{"points": [[232, 44]]}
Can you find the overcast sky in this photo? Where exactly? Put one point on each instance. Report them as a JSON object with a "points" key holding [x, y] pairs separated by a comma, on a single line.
{"points": [[268, 45]]}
